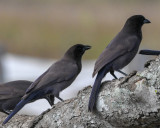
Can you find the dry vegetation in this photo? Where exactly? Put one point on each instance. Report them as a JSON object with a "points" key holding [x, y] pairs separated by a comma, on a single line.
{"points": [[47, 28]]}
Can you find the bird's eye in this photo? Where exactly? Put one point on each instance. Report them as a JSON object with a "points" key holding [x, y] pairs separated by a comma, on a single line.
{"points": [[80, 49]]}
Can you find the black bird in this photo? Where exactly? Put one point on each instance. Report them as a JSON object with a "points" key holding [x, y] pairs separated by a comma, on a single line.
{"points": [[58, 77], [149, 52], [119, 53], [12, 92]]}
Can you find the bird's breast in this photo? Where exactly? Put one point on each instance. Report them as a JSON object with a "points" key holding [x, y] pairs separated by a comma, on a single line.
{"points": [[124, 60]]}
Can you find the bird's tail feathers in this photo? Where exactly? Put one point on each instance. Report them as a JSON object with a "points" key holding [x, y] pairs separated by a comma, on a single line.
{"points": [[19, 106], [96, 87], [149, 52]]}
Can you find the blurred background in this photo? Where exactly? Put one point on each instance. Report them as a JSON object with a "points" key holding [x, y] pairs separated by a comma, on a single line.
{"points": [[35, 33]]}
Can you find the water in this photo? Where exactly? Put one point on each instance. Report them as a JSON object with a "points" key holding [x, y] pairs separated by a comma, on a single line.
{"points": [[28, 68]]}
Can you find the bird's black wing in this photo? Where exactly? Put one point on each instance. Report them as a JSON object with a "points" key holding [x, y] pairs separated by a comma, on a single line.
{"points": [[36, 82], [14, 89], [118, 47], [10, 92], [60, 71]]}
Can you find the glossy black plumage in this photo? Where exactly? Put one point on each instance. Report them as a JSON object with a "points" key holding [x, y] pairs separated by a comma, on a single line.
{"points": [[58, 77], [149, 52], [119, 53], [12, 92]]}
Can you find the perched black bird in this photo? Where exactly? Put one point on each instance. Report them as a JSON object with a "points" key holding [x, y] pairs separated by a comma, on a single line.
{"points": [[58, 77], [149, 52], [12, 92], [121, 50]]}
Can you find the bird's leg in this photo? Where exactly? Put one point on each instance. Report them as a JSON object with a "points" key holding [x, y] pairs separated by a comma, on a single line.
{"points": [[112, 73], [121, 72], [50, 99], [7, 112], [56, 94], [59, 98]]}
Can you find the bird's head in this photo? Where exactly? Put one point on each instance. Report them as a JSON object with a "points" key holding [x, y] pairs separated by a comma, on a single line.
{"points": [[137, 21], [76, 51]]}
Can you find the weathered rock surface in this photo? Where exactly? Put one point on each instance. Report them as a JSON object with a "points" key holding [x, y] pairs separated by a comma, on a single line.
{"points": [[129, 102]]}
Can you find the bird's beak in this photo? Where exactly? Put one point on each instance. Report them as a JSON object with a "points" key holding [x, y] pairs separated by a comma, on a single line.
{"points": [[146, 21], [86, 47]]}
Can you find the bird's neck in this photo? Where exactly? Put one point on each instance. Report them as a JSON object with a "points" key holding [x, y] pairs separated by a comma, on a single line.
{"points": [[133, 29], [74, 59], [79, 64]]}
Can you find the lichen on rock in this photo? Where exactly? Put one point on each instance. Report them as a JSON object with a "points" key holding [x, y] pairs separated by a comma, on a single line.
{"points": [[129, 102]]}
